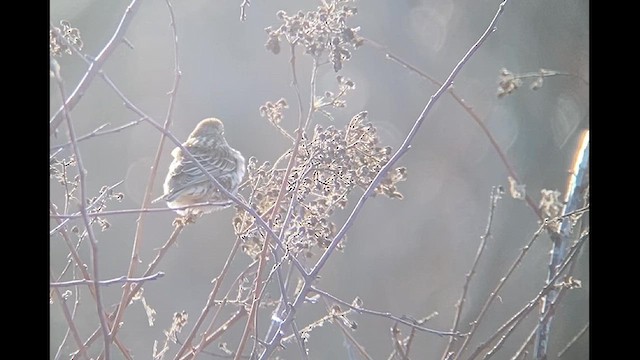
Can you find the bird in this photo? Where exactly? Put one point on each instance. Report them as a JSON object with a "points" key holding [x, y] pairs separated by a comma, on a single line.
{"points": [[185, 184]]}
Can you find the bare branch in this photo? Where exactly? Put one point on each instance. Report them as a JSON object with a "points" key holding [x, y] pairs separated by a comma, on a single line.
{"points": [[493, 201], [347, 334], [403, 319], [513, 326], [95, 65], [207, 307], [258, 285], [98, 200], [82, 351], [242, 312], [573, 341], [522, 314], [398, 348], [79, 264], [83, 209], [96, 133], [119, 280], [239, 302], [243, 9], [138, 237], [476, 118], [503, 280], [135, 288]]}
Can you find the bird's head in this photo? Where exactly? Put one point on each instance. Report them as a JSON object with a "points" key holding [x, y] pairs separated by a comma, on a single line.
{"points": [[208, 132]]}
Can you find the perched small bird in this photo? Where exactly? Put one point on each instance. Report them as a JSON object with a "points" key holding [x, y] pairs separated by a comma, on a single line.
{"points": [[186, 184]]}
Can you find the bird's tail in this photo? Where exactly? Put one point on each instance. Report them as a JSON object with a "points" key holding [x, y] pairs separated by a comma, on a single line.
{"points": [[161, 197]]}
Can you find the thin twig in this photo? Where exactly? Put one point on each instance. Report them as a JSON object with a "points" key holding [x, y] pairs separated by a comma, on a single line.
{"points": [[54, 154], [82, 351], [97, 201], [151, 267], [274, 340], [221, 303], [285, 225], [503, 280], [511, 328], [207, 307], [76, 294], [521, 315], [258, 285], [277, 270], [130, 211], [573, 341], [476, 118], [301, 342], [284, 301], [529, 340], [82, 172], [238, 302], [242, 312], [397, 343], [285, 287], [79, 264], [409, 341], [405, 345], [138, 237], [243, 9], [500, 342], [96, 133], [73, 253], [522, 351], [347, 334], [493, 201], [119, 280], [543, 73], [401, 319], [95, 65]]}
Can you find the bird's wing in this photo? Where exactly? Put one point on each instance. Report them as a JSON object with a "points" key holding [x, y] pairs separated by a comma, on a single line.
{"points": [[219, 164], [186, 174]]}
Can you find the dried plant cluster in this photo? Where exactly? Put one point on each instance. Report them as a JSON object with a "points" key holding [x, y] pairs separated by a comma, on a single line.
{"points": [[179, 322], [71, 34], [508, 82], [318, 31], [336, 315], [551, 206], [330, 164], [550, 203], [61, 171]]}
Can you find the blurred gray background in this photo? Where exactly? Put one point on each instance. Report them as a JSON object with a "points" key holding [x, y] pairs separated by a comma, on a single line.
{"points": [[405, 257]]}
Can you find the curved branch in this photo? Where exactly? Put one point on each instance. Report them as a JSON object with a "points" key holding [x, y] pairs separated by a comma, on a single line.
{"points": [[95, 65]]}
